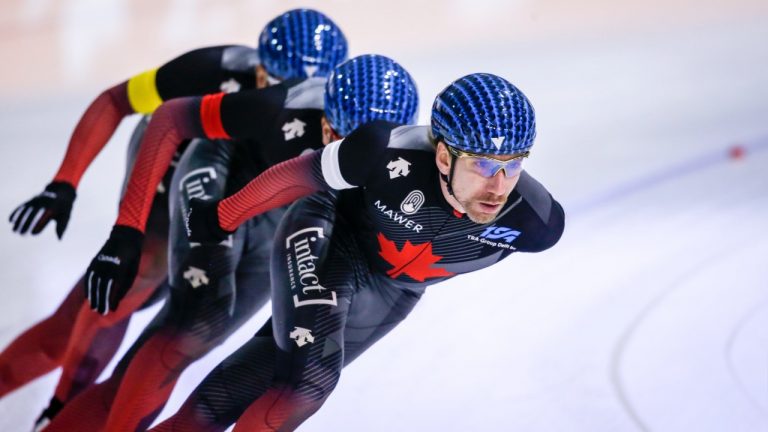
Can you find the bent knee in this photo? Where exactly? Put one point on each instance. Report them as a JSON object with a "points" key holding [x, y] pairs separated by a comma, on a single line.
{"points": [[315, 390]]}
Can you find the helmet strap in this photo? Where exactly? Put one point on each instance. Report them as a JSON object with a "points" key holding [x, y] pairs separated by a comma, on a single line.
{"points": [[448, 179]]}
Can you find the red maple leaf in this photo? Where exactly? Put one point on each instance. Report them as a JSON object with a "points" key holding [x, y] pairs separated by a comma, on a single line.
{"points": [[414, 260]]}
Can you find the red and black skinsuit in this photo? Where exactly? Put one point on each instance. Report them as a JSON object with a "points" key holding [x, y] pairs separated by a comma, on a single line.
{"points": [[372, 254], [73, 337], [349, 266], [214, 289]]}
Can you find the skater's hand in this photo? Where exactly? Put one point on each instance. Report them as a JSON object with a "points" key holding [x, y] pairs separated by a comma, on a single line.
{"points": [[202, 222], [114, 268], [54, 203]]}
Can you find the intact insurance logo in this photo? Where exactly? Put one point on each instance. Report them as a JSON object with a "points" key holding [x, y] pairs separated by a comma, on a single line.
{"points": [[193, 184], [199, 184], [496, 236], [301, 256]]}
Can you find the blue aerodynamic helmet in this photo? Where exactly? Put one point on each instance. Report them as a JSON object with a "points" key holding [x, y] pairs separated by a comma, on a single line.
{"points": [[301, 43], [484, 114], [366, 88]]}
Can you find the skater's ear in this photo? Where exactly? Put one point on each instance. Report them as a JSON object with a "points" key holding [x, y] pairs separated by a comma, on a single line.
{"points": [[329, 135], [443, 158]]}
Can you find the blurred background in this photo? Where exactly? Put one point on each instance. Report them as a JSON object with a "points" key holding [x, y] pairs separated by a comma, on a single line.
{"points": [[651, 314]]}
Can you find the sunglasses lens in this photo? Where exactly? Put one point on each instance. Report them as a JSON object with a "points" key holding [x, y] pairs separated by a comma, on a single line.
{"points": [[489, 168], [513, 168], [486, 167]]}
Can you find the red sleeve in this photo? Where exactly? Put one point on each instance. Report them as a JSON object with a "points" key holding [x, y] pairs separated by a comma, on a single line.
{"points": [[93, 131], [278, 186], [210, 116], [173, 122]]}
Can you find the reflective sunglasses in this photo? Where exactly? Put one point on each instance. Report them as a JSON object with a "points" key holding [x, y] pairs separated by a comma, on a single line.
{"points": [[488, 166]]}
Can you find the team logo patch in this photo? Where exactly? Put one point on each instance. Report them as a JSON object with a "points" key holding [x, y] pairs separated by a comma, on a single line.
{"points": [[500, 233], [230, 86], [414, 260], [302, 272], [397, 217], [196, 277], [413, 202], [496, 236], [302, 336], [398, 168], [294, 129]]}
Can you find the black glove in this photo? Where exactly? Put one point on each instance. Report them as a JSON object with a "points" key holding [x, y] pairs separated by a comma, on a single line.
{"points": [[202, 222], [55, 202], [111, 273]]}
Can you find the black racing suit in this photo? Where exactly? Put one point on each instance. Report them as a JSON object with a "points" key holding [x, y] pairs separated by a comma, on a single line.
{"points": [[348, 266]]}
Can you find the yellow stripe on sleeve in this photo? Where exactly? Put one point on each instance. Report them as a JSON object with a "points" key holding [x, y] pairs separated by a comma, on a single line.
{"points": [[142, 92]]}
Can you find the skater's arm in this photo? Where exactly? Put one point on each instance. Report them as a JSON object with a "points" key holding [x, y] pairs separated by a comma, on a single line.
{"points": [[93, 131], [280, 185], [172, 123], [215, 116], [194, 73], [340, 165]]}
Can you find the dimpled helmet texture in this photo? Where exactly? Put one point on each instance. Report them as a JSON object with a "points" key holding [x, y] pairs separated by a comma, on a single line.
{"points": [[366, 88], [485, 114], [301, 43]]}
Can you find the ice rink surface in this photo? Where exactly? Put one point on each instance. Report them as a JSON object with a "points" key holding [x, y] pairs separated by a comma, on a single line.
{"points": [[651, 314]]}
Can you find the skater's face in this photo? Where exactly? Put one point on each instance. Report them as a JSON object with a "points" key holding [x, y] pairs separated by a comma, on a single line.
{"points": [[263, 79], [481, 185]]}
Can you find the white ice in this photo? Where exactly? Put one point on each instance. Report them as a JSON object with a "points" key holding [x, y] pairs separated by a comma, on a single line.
{"points": [[651, 314]]}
